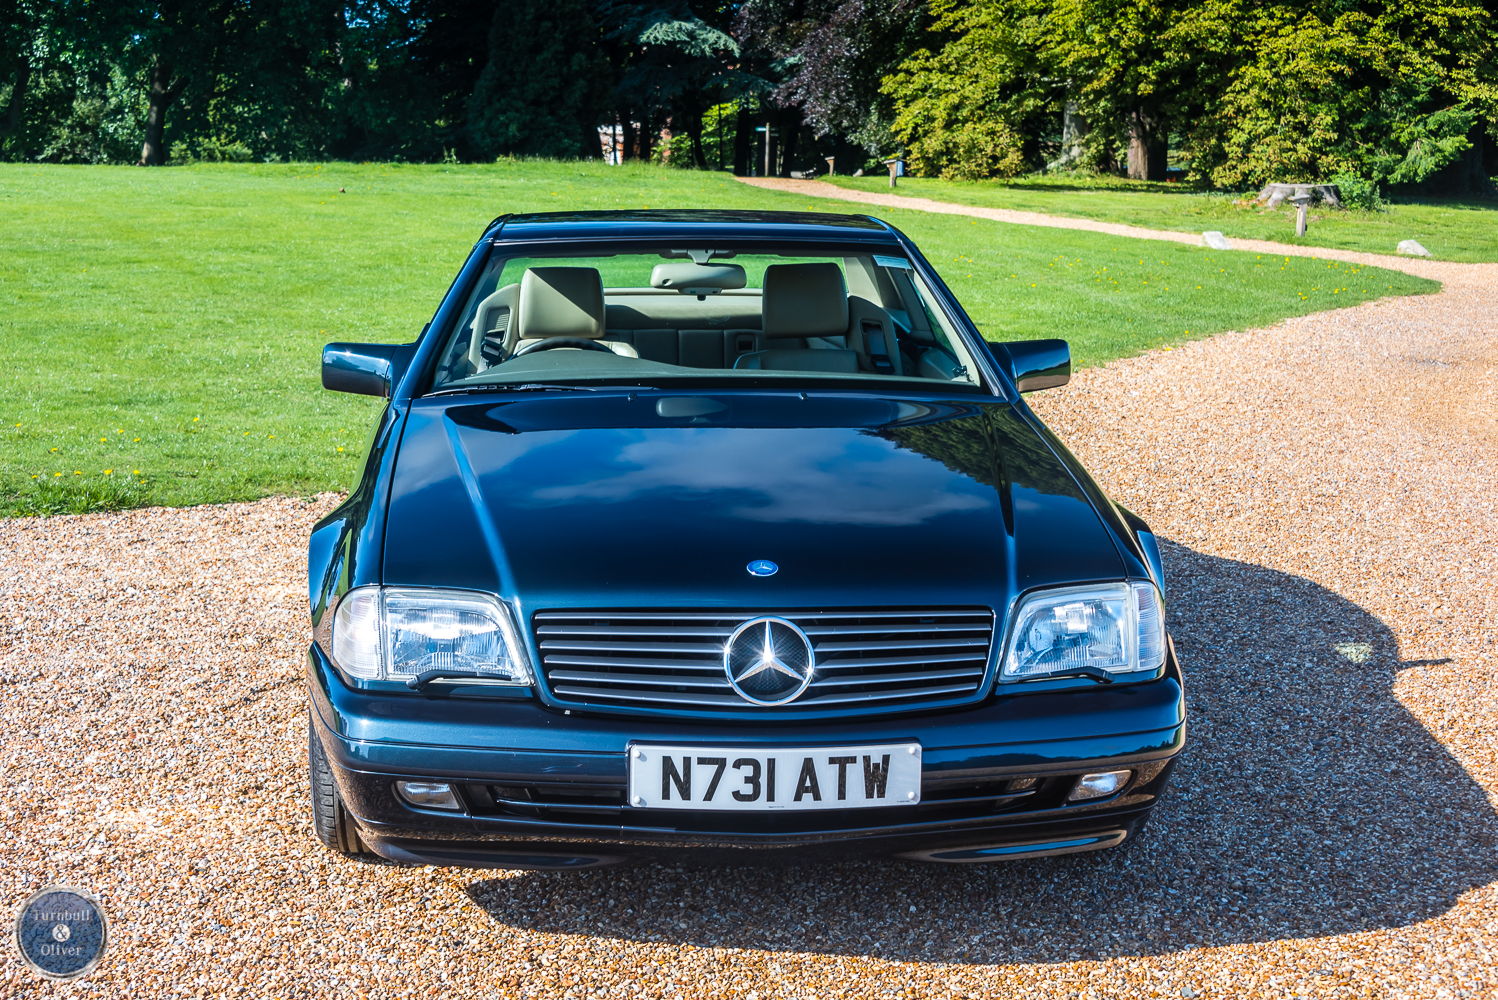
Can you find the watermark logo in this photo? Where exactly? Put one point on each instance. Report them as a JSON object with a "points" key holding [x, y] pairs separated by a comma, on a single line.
{"points": [[62, 932]]}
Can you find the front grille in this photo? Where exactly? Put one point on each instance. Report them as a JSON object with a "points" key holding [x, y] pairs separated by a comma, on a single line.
{"points": [[866, 660]]}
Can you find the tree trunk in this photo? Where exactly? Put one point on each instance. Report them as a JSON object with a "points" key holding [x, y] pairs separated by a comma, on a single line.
{"points": [[790, 134], [163, 92], [692, 122], [345, 141], [718, 135], [743, 135], [627, 130], [1073, 137], [17, 98], [1147, 147], [592, 143], [647, 137]]}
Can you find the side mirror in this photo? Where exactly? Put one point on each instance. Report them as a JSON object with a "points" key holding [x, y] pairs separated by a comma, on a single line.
{"points": [[1034, 364], [366, 369]]}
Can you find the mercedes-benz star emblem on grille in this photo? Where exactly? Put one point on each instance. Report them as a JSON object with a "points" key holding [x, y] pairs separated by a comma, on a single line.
{"points": [[769, 661], [762, 567]]}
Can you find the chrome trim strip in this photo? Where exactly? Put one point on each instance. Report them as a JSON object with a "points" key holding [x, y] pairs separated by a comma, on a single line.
{"points": [[653, 680], [629, 630], [849, 647], [689, 698], [865, 629], [896, 678], [897, 661], [715, 665], [852, 699], [746, 615], [615, 647]]}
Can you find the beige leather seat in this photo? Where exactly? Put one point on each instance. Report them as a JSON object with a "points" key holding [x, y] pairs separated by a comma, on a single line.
{"points": [[547, 302], [492, 335], [872, 336], [563, 302], [801, 301]]}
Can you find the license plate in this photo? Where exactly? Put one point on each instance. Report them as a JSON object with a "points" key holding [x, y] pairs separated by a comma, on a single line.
{"points": [[758, 779]]}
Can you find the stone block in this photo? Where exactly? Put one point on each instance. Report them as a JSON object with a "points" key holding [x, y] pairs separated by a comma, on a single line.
{"points": [[1275, 194]]}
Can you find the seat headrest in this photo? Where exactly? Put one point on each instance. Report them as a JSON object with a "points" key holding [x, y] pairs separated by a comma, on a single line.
{"points": [[805, 300], [561, 302]]}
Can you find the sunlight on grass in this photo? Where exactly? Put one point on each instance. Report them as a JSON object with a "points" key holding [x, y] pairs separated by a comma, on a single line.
{"points": [[1451, 229], [162, 329], [76, 494]]}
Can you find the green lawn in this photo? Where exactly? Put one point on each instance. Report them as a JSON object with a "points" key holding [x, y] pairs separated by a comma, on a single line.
{"points": [[161, 329], [1450, 229]]}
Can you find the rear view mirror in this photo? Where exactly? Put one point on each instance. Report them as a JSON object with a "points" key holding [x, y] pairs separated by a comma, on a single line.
{"points": [[366, 369], [1034, 364]]}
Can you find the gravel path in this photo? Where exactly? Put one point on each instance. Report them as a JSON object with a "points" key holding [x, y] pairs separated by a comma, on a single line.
{"points": [[1326, 489], [821, 189]]}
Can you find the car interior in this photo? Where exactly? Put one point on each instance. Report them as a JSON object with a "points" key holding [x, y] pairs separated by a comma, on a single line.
{"points": [[695, 309]]}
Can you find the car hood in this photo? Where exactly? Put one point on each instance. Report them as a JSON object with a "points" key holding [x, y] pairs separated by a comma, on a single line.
{"points": [[641, 500]]}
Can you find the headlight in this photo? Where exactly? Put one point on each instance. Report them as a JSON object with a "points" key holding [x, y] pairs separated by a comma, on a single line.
{"points": [[396, 633], [1115, 627]]}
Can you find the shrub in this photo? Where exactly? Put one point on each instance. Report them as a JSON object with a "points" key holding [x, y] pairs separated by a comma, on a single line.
{"points": [[677, 152], [1358, 192], [224, 151], [971, 151], [960, 112], [74, 496]]}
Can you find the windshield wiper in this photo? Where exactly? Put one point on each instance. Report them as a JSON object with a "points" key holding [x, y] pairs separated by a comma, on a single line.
{"points": [[1091, 673], [540, 387], [501, 387], [426, 677]]}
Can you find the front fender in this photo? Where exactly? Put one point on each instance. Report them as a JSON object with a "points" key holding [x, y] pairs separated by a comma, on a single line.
{"points": [[345, 548]]}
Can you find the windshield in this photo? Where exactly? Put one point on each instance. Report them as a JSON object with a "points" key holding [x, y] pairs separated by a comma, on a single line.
{"points": [[702, 313]]}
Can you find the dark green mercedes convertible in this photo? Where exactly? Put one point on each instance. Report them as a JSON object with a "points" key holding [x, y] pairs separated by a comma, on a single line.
{"points": [[725, 537]]}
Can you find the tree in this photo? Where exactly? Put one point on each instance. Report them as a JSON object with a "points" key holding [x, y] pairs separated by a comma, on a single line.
{"points": [[175, 42], [1133, 78], [544, 88], [393, 79], [1397, 91], [831, 58], [1394, 90], [46, 46], [991, 100], [962, 111], [20, 28], [675, 63]]}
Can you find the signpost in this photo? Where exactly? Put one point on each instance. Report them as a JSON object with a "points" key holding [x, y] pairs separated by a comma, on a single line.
{"points": [[896, 169], [768, 131], [1301, 203]]}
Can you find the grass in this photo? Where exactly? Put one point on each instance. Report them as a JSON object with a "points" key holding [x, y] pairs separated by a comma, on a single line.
{"points": [[1451, 229], [1112, 298], [161, 329]]}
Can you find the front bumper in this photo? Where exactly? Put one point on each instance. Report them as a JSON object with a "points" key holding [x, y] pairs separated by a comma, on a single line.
{"points": [[542, 789]]}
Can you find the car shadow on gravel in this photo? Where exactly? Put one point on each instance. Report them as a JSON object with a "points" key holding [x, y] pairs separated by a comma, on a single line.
{"points": [[1310, 802]]}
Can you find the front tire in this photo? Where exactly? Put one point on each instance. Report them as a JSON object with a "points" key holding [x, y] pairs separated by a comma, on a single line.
{"points": [[330, 820], [1135, 830]]}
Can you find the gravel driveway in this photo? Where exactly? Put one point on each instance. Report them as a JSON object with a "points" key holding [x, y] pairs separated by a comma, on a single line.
{"points": [[1326, 487]]}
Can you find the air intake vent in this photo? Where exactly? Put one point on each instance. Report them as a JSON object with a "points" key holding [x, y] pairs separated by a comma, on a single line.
{"points": [[867, 661]]}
